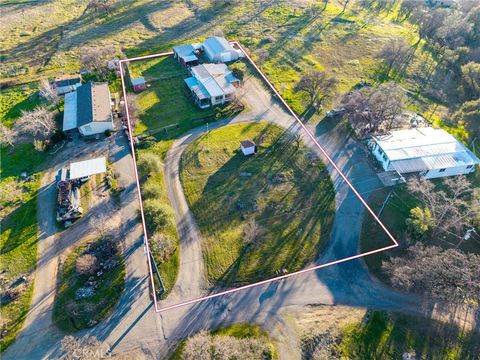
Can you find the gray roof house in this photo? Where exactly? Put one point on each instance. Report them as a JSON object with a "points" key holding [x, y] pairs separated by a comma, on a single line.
{"points": [[211, 84], [218, 49], [66, 84], [89, 109]]}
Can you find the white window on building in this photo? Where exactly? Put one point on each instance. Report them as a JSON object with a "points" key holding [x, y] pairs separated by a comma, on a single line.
{"points": [[442, 170], [218, 98], [469, 166]]}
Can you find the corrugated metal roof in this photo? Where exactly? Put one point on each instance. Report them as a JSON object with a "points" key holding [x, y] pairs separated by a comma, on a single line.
{"points": [[217, 44], [191, 82], [70, 111], [138, 81], [186, 50], [215, 78], [203, 76], [421, 149], [88, 167]]}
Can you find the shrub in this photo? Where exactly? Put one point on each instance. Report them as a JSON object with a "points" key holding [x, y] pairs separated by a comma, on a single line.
{"points": [[148, 163], [163, 245], [419, 222], [86, 264], [57, 137], [152, 190], [157, 214]]}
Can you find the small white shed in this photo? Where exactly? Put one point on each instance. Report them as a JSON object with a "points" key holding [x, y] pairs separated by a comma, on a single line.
{"points": [[248, 147]]}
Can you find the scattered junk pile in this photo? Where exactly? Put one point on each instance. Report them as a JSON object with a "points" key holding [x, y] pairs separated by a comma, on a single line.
{"points": [[69, 182]]}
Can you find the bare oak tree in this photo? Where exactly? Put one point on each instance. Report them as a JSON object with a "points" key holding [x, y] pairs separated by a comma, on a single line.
{"points": [[47, 91], [428, 20], [163, 245], [449, 209], [97, 6], [251, 232], [7, 135], [374, 110], [37, 123], [448, 275], [317, 85], [134, 110], [95, 60]]}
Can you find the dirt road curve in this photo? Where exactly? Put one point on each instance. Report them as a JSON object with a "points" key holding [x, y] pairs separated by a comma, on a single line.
{"points": [[136, 331]]}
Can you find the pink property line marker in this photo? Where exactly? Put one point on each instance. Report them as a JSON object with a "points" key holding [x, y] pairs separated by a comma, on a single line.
{"points": [[312, 137]]}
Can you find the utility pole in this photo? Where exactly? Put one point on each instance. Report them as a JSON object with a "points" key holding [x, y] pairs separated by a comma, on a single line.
{"points": [[208, 136], [467, 236]]}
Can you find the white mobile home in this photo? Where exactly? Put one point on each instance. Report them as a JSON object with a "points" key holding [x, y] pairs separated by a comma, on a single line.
{"points": [[212, 84], [430, 152]]}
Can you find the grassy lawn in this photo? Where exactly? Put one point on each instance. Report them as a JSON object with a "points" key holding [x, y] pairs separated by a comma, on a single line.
{"points": [[167, 101], [154, 188], [71, 313], [289, 197], [18, 239], [389, 335], [239, 331], [393, 216], [15, 99]]}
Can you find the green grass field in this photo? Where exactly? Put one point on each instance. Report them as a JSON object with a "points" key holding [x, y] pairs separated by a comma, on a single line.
{"points": [[70, 314], [19, 235], [290, 199], [167, 101], [385, 336], [15, 99]]}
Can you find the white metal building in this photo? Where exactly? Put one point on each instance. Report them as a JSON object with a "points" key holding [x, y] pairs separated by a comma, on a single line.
{"points": [[430, 152], [84, 168], [218, 49]]}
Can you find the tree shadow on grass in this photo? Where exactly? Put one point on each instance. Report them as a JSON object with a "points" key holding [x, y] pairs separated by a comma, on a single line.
{"points": [[385, 335], [295, 213]]}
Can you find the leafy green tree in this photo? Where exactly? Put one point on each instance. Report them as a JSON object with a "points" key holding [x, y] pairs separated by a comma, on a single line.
{"points": [[469, 115], [148, 164], [419, 222], [471, 80], [157, 215]]}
